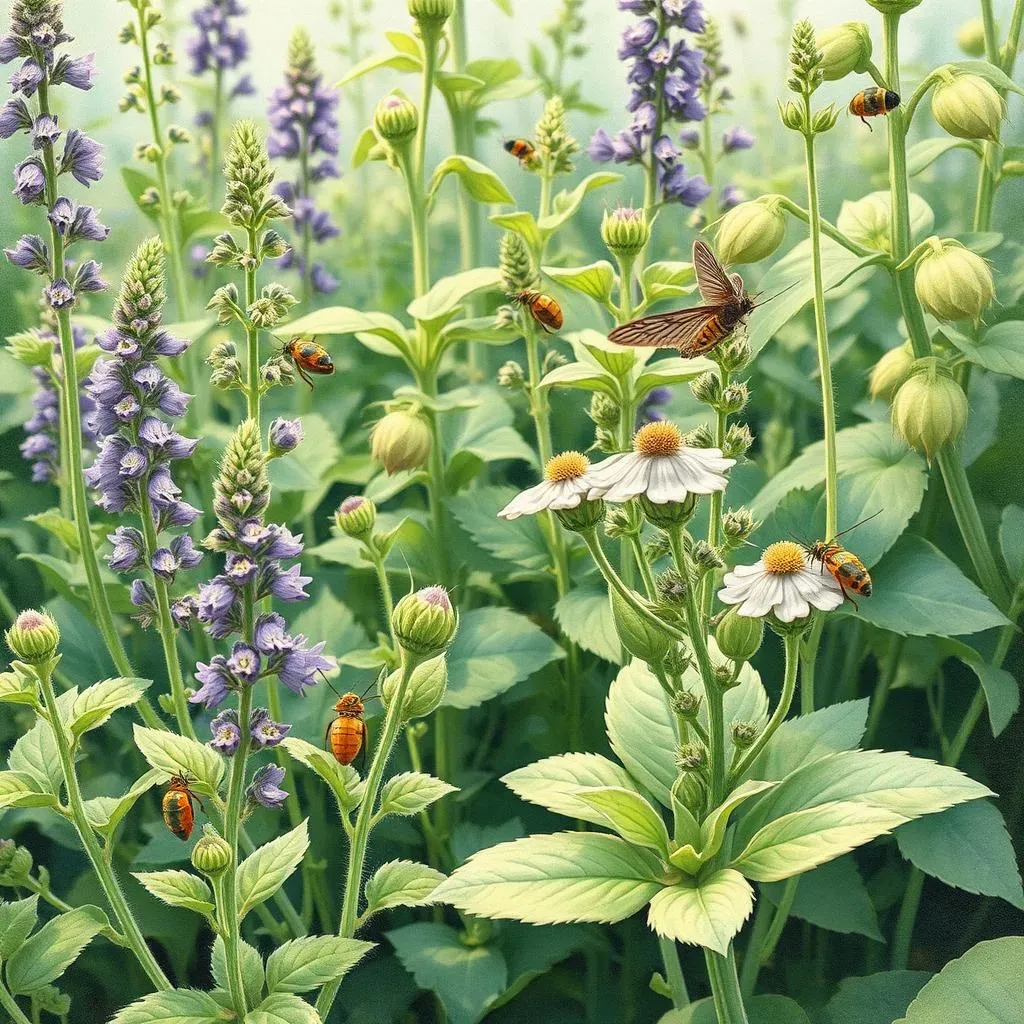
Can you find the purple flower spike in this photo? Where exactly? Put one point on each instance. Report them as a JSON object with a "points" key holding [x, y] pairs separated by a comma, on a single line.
{"points": [[244, 663], [77, 72], [183, 611], [14, 117], [29, 181], [265, 732], [44, 131], [300, 666], [737, 138], [127, 550], [59, 294], [82, 158], [214, 679], [226, 732], [31, 253], [27, 78], [265, 788]]}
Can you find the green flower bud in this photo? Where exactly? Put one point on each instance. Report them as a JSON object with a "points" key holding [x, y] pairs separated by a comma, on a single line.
{"points": [[705, 558], [845, 49], [691, 790], [604, 411], [970, 37], [431, 12], [670, 513], [553, 138], [401, 440], [734, 354], [792, 117], [739, 637], [511, 376], [706, 388], [621, 522], [424, 621], [966, 106], [825, 119], [637, 633], [930, 408], [952, 282], [691, 757], [738, 525], [700, 437], [585, 516], [686, 703], [425, 689], [625, 231], [518, 273], [34, 637], [212, 854], [396, 119], [15, 863], [744, 734], [356, 516], [894, 6], [891, 371], [670, 587], [751, 231], [734, 398], [738, 441]]}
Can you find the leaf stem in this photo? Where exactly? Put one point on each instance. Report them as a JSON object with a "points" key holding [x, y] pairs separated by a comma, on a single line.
{"points": [[8, 1002], [725, 987], [674, 972]]}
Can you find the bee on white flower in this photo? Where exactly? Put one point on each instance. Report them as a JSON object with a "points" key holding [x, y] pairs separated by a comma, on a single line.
{"points": [[785, 581], [565, 484], [662, 467]]}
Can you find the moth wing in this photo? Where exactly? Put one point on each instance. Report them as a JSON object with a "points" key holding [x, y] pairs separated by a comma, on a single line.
{"points": [[737, 283], [677, 329], [715, 285]]}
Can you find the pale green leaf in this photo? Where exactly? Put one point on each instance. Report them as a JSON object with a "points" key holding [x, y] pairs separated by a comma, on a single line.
{"points": [[283, 1008], [57, 526], [98, 702], [595, 280], [35, 753], [706, 912], [411, 792], [667, 279], [584, 615], [924, 153], [251, 964], [177, 755], [179, 1006], [307, 963], [403, 62], [19, 789], [1011, 541], [449, 293], [712, 830], [629, 814], [1000, 349], [342, 778], [51, 951], [519, 541], [477, 179], [266, 869], [566, 203], [665, 372], [983, 69], [17, 689], [581, 376], [401, 883], [178, 888], [106, 813], [522, 223], [390, 332], [17, 919]]}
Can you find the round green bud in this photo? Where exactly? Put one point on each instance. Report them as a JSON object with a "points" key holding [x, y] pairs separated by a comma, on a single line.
{"points": [[739, 636], [15, 863], [34, 637], [891, 371], [425, 689], [425, 621], [356, 516], [212, 854], [401, 440], [751, 231], [686, 703], [431, 12], [669, 513], [929, 410], [845, 49], [585, 516], [691, 791], [396, 119], [792, 117], [625, 231], [894, 6], [744, 734], [966, 106], [952, 282], [670, 587], [691, 757], [970, 37], [637, 633], [706, 388], [868, 220], [738, 525]]}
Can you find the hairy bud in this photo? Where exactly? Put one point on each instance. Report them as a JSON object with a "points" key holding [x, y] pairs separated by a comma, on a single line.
{"points": [[424, 621], [396, 119], [424, 691], [891, 371], [845, 49], [401, 440], [625, 231], [751, 231], [739, 636], [930, 409], [744, 734], [966, 106], [33, 637], [952, 282], [356, 516], [212, 854]]}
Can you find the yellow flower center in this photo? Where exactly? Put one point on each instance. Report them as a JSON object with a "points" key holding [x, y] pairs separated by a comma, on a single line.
{"points": [[567, 466], [661, 438], [783, 558]]}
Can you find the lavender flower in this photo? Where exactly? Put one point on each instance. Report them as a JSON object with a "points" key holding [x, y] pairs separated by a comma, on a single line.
{"points": [[265, 788], [650, 408], [737, 138], [226, 733], [265, 732], [219, 45], [302, 113]]}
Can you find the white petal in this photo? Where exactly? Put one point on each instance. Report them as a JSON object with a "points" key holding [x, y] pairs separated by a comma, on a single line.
{"points": [[827, 600], [664, 482], [792, 605], [529, 502], [763, 595], [632, 480], [567, 493]]}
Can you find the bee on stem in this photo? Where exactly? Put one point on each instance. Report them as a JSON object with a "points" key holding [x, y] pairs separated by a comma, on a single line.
{"points": [[872, 102]]}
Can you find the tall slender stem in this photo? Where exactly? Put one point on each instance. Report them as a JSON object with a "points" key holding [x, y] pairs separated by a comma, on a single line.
{"points": [[252, 342], [725, 987], [104, 871], [364, 819], [217, 116], [716, 502], [674, 972], [8, 1003]]}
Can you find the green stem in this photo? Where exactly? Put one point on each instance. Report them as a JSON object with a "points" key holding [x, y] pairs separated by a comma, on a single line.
{"points": [[626, 265], [715, 505], [904, 932], [809, 663], [217, 115], [792, 647], [7, 1001], [751, 965], [64, 480], [885, 680], [674, 972], [104, 871], [827, 227], [364, 818], [252, 341], [779, 918], [725, 987]]}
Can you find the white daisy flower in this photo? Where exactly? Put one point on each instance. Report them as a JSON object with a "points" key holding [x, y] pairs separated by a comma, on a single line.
{"points": [[785, 581], [565, 484], [660, 466]]}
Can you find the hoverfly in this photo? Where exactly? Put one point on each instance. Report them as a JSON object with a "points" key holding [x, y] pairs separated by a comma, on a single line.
{"points": [[309, 357], [178, 812], [544, 309], [846, 568], [872, 102], [525, 152], [699, 329]]}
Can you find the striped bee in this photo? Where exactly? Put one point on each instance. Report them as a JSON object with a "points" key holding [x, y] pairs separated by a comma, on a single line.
{"points": [[872, 102], [523, 151], [178, 812]]}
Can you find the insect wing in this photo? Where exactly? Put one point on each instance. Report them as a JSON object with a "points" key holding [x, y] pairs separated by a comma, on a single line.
{"points": [[737, 284], [715, 285], [677, 329]]}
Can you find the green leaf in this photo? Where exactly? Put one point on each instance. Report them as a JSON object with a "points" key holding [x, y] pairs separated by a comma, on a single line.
{"points": [[136, 182], [982, 986], [1002, 692], [667, 279], [967, 847], [202, 224], [179, 1006], [991, 74], [35, 753], [178, 888], [403, 62], [98, 702], [266, 869], [466, 979], [874, 999], [366, 142], [19, 789], [519, 541], [378, 331], [477, 179], [304, 964], [17, 919], [629, 814], [483, 329], [53, 949], [595, 280], [760, 1010], [283, 1008], [449, 293], [106, 813], [706, 912], [918, 591], [493, 650], [566, 203], [1011, 541], [584, 615], [593, 347], [581, 376], [1000, 349], [924, 153], [400, 883], [57, 526], [550, 879], [712, 830], [833, 896], [251, 965], [411, 792], [838, 265], [176, 755], [17, 689], [665, 372], [522, 223], [840, 801]]}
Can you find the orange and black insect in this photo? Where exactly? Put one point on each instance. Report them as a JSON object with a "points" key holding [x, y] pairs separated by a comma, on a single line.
{"points": [[523, 151], [699, 329], [346, 735], [872, 102], [544, 309], [179, 814], [309, 357], [846, 568]]}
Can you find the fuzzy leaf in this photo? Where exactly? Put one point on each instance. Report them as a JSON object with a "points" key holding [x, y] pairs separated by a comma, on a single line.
{"points": [[17, 919], [172, 755], [106, 813], [629, 814], [342, 778], [477, 179], [266, 869], [584, 615], [178, 888], [283, 1008], [304, 964], [251, 964], [98, 702], [401, 883], [708, 912], [17, 689], [411, 792], [19, 789], [53, 949], [179, 1006]]}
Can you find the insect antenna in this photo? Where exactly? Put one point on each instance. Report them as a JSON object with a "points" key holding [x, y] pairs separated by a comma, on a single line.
{"points": [[861, 523], [782, 291], [327, 681]]}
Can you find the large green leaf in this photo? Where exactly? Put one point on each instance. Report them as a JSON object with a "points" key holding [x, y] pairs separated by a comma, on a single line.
{"points": [[838, 802], [35, 753], [397, 61], [409, 793], [551, 879], [17, 919], [179, 1006], [519, 541], [584, 614], [1002, 691], [477, 179], [483, 433], [48, 954], [250, 962], [983, 987], [918, 591], [449, 293], [19, 789], [98, 702], [494, 649], [307, 963], [874, 999], [924, 153], [706, 912], [1000, 349], [267, 868], [966, 846], [566, 203], [176, 755], [178, 889], [390, 334]]}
